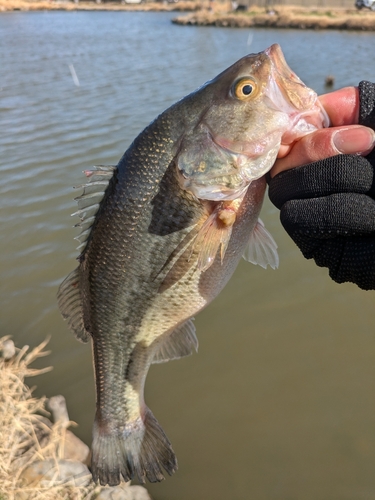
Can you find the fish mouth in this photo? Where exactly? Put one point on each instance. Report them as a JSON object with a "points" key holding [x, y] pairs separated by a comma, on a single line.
{"points": [[286, 92], [289, 84]]}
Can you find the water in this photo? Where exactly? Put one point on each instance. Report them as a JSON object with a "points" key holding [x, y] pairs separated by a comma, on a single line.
{"points": [[279, 403]]}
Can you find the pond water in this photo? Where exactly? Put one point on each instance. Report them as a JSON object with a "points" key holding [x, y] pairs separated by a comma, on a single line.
{"points": [[279, 403]]}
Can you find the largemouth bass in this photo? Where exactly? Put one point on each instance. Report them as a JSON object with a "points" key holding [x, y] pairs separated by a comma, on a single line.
{"points": [[161, 234]]}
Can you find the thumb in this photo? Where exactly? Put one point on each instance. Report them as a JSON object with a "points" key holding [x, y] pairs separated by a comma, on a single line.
{"points": [[321, 144]]}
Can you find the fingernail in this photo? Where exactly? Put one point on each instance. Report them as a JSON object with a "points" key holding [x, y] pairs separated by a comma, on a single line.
{"points": [[354, 140]]}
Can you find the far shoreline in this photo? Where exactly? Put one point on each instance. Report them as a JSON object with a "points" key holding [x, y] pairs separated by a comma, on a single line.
{"points": [[285, 17], [219, 13], [69, 5]]}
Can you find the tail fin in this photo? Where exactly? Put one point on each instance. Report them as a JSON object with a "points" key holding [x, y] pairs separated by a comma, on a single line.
{"points": [[141, 449]]}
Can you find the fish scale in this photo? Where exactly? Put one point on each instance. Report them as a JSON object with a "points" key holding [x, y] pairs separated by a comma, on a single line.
{"points": [[162, 233]]}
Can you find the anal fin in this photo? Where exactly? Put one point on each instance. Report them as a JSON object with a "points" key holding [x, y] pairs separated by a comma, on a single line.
{"points": [[180, 343]]}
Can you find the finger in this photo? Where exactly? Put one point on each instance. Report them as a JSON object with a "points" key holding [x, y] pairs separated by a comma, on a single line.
{"points": [[324, 143], [342, 106]]}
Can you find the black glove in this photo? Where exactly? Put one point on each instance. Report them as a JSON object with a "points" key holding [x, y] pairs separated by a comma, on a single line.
{"points": [[328, 208]]}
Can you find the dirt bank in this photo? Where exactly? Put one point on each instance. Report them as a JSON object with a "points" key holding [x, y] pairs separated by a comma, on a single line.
{"points": [[285, 17]]}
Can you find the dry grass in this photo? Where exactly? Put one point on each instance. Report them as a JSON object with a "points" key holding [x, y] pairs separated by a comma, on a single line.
{"points": [[26, 435], [285, 16]]}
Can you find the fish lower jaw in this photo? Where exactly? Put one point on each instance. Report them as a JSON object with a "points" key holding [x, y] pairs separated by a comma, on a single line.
{"points": [[305, 123]]}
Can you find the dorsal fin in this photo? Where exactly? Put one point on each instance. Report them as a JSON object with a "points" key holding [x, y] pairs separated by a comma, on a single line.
{"points": [[180, 343], [89, 201], [69, 296], [70, 304]]}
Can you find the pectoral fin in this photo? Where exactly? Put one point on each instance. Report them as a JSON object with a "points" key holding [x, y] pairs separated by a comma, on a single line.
{"points": [[261, 248], [215, 234], [202, 244], [212, 235]]}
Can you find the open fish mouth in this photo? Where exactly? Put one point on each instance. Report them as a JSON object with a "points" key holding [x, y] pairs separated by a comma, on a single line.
{"points": [[286, 92], [289, 84]]}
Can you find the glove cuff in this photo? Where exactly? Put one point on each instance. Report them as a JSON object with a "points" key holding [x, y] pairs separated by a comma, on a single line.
{"points": [[367, 104]]}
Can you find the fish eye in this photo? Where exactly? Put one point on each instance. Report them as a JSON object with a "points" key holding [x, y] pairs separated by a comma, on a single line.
{"points": [[245, 88]]}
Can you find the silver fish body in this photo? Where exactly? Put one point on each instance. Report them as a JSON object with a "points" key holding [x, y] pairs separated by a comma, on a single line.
{"points": [[175, 216]]}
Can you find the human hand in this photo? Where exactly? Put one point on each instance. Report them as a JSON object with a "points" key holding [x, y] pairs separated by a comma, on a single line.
{"points": [[344, 136], [328, 205]]}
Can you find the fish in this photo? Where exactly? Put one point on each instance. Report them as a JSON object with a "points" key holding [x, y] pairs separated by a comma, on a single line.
{"points": [[161, 234]]}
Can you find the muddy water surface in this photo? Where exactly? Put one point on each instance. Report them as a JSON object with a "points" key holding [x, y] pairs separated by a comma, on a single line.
{"points": [[279, 403]]}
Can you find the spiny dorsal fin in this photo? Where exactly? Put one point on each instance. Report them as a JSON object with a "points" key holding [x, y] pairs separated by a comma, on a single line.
{"points": [[261, 248], [89, 201], [69, 295], [70, 304], [181, 342]]}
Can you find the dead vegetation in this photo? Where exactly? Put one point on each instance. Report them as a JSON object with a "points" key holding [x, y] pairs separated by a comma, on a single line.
{"points": [[27, 436], [41, 460]]}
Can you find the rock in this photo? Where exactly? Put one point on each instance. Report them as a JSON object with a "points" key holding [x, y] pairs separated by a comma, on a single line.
{"points": [[47, 473], [57, 406], [75, 449], [9, 349], [123, 492], [329, 81], [139, 493]]}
